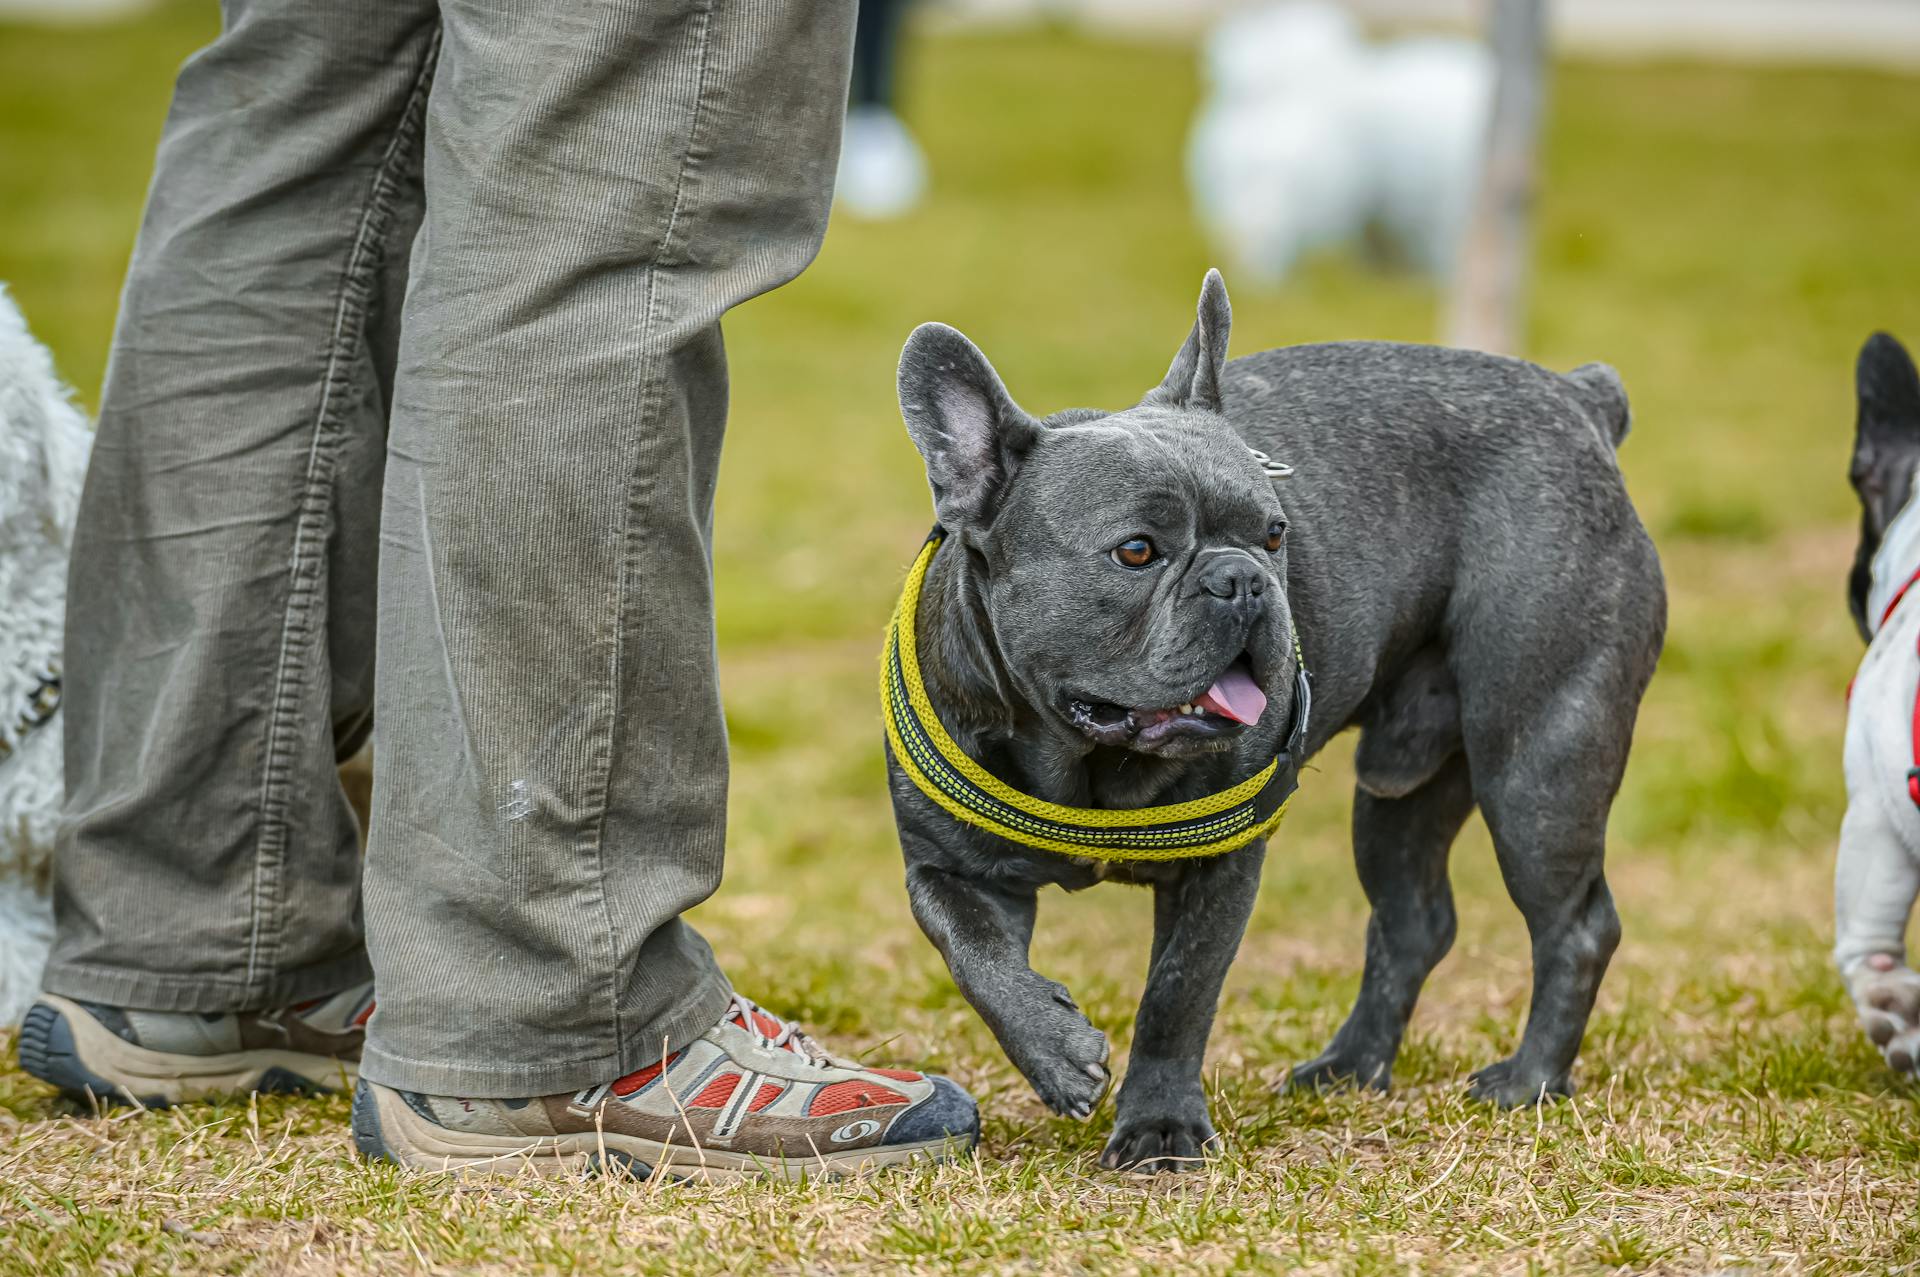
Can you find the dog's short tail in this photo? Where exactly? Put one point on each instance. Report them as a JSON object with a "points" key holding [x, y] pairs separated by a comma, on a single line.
{"points": [[1601, 392]]}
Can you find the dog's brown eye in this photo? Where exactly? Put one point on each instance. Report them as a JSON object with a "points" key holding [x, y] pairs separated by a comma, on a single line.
{"points": [[1136, 553], [1276, 535]]}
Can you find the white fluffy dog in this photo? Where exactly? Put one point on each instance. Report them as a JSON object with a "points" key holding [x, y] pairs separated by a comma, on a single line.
{"points": [[1311, 138], [44, 440]]}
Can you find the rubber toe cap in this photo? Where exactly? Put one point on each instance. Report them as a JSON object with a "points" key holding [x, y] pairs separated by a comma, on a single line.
{"points": [[367, 1136], [949, 1113]]}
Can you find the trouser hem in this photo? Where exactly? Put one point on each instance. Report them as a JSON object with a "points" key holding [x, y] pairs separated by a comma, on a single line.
{"points": [[160, 991], [680, 1024]]}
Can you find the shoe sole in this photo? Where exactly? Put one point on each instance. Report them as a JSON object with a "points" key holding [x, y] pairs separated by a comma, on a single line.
{"points": [[61, 1044], [386, 1128]]}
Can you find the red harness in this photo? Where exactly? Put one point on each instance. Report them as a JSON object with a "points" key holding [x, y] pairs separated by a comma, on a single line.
{"points": [[1913, 772]]}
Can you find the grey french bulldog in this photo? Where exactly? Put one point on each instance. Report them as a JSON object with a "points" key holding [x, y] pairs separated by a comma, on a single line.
{"points": [[1110, 622]]}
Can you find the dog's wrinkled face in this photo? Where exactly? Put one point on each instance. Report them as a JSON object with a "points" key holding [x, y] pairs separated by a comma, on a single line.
{"points": [[1135, 562]]}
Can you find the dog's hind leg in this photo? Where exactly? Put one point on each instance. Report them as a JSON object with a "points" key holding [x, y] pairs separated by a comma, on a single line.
{"points": [[1545, 778], [1400, 847], [1552, 864], [1554, 641]]}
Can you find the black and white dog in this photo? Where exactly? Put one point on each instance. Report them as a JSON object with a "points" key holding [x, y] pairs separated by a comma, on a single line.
{"points": [[1109, 623], [1878, 874]]}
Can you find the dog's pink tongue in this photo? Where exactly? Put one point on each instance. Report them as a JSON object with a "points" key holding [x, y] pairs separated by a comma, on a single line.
{"points": [[1236, 696]]}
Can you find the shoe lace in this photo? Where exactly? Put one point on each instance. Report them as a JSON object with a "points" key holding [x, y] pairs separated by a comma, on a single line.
{"points": [[749, 1014]]}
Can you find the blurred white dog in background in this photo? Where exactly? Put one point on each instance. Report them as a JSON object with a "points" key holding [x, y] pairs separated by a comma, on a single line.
{"points": [[44, 441], [1312, 138]]}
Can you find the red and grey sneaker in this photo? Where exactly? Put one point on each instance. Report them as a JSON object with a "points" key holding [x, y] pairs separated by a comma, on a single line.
{"points": [[113, 1054], [752, 1096]]}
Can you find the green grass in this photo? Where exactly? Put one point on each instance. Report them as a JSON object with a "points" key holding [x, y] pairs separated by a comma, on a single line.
{"points": [[1724, 237]]}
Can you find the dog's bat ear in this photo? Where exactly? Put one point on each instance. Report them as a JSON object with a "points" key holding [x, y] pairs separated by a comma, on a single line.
{"points": [[1886, 453], [1886, 442], [1194, 379], [968, 429], [1888, 388]]}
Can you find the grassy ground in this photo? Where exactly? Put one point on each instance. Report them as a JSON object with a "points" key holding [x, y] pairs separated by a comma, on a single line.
{"points": [[1724, 237]]}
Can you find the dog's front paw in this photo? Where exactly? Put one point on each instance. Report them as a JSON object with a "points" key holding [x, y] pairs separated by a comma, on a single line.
{"points": [[1512, 1085], [1158, 1143], [1903, 1053], [1886, 996], [1062, 1055]]}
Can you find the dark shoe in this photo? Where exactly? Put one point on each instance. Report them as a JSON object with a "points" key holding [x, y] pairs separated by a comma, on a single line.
{"points": [[111, 1055]]}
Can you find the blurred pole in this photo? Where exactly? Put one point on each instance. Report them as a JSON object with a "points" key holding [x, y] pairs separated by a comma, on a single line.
{"points": [[1487, 306]]}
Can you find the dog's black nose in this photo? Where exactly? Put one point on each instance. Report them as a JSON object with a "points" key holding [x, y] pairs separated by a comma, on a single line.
{"points": [[1234, 576]]}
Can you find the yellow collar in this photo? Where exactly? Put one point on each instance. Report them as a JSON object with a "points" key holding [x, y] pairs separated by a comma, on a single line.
{"points": [[941, 770]]}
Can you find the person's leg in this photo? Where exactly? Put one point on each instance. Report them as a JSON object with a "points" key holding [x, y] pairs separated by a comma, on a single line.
{"points": [[882, 171], [551, 793], [219, 637], [875, 57], [551, 796]]}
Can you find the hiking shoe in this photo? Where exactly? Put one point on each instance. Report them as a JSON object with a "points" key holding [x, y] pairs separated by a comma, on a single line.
{"points": [[157, 1058], [752, 1096]]}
